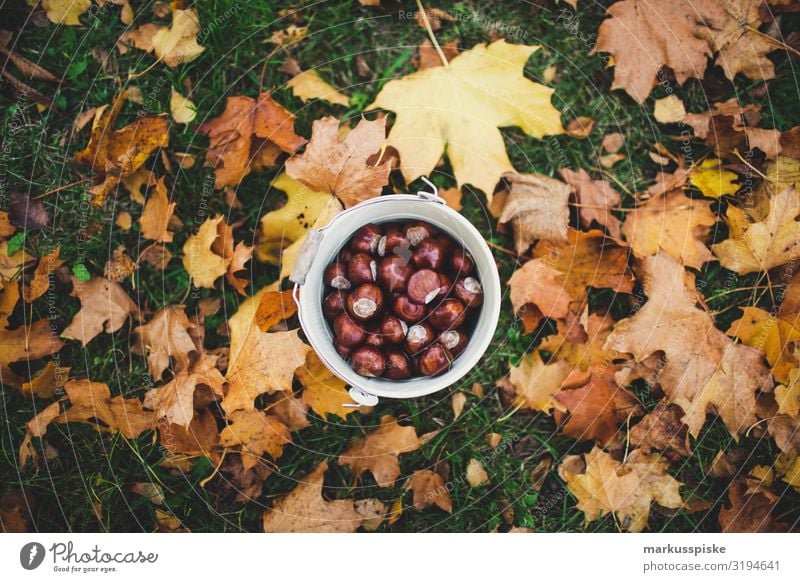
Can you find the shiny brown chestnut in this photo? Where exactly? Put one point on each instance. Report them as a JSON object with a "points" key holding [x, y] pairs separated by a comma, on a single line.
{"points": [[454, 340], [449, 314], [461, 263], [424, 286], [334, 304], [391, 241], [394, 273], [429, 254], [393, 329], [398, 366], [434, 360], [407, 309], [374, 337], [341, 349], [348, 331], [365, 239], [368, 361], [365, 301], [335, 276], [447, 285], [419, 337], [361, 269], [345, 255], [418, 231], [447, 243], [469, 291]]}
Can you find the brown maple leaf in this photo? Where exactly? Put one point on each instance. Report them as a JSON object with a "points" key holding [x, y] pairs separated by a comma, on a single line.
{"points": [[596, 198], [429, 488], [537, 208], [105, 306], [257, 433], [249, 135], [603, 485], [378, 451], [752, 508], [535, 383], [25, 344], [166, 336], [305, 510], [580, 340], [536, 284], [662, 430], [342, 166]]}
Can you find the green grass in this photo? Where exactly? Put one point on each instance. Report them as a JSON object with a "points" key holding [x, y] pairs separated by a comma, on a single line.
{"points": [[86, 487]]}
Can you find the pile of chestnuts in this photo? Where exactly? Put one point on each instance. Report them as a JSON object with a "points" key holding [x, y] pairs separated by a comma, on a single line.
{"points": [[401, 299]]}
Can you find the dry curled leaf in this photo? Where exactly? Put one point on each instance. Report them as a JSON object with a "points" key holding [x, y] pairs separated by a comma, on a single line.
{"points": [[596, 199]]}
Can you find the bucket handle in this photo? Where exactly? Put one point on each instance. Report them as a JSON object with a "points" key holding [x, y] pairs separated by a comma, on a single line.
{"points": [[308, 253]]}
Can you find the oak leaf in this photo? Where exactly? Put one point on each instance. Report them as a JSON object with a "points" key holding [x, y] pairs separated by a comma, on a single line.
{"points": [[771, 242], [105, 306], [461, 108], [378, 451], [9, 298], [341, 166], [674, 223], [266, 362], [626, 489], [249, 135], [537, 208], [257, 433], [166, 336], [305, 510]]}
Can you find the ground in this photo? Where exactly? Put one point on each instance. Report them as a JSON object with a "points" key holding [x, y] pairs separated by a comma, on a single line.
{"points": [[85, 488]]}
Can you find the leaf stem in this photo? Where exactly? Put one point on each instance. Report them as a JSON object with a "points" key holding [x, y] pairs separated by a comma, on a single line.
{"points": [[431, 35]]}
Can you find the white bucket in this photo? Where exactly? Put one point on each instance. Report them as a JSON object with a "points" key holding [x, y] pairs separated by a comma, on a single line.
{"points": [[322, 246]]}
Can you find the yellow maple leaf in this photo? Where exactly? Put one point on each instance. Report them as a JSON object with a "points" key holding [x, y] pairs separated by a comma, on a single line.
{"points": [[461, 107], [199, 260], [178, 43], [65, 11], [713, 180], [772, 335], [536, 383], [309, 85], [324, 392]]}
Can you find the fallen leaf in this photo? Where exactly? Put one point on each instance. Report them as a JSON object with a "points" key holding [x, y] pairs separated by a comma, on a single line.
{"points": [[266, 362], [536, 383], [257, 433], [429, 56], [340, 167], [249, 135], [752, 509], [625, 489], [291, 411], [291, 35], [166, 336], [305, 510], [773, 335], [670, 109], [662, 430], [181, 108], [537, 208], [156, 215], [580, 340], [241, 255], [378, 451], [46, 381], [105, 307], [458, 400], [430, 489], [703, 367], [150, 491], [199, 259], [372, 512], [308, 85], [40, 281], [323, 391], [178, 43], [536, 283], [580, 127], [9, 298], [713, 180], [65, 11], [673, 223], [476, 474], [27, 213], [596, 199], [461, 107], [768, 243], [612, 142]]}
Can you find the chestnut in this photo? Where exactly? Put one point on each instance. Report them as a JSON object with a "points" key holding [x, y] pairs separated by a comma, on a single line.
{"points": [[447, 243], [469, 291], [407, 309], [449, 314], [368, 361], [419, 337], [461, 263], [454, 340], [424, 286], [347, 331], [447, 284], [429, 254], [394, 273], [391, 241], [418, 231], [434, 360], [393, 329], [341, 349], [345, 255], [365, 301], [365, 239], [361, 269], [374, 337], [397, 365], [334, 304], [335, 275]]}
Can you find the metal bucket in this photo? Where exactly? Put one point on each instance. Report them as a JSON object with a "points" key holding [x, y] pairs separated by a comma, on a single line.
{"points": [[322, 245]]}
